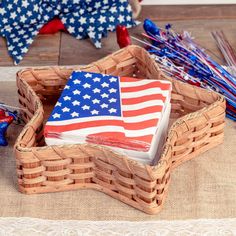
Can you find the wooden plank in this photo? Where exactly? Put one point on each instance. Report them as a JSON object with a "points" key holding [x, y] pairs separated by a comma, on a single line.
{"points": [[188, 12], [82, 51], [44, 51]]}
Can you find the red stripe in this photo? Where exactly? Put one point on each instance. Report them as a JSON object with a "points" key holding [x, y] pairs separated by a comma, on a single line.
{"points": [[130, 101], [89, 124], [142, 111], [145, 86], [129, 79], [119, 135], [119, 140]]}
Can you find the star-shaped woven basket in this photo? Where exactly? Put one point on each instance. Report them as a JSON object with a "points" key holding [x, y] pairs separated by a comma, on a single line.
{"points": [[198, 126]]}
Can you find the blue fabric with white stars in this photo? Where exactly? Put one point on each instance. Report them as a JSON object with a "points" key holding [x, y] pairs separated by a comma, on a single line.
{"points": [[87, 95], [21, 20]]}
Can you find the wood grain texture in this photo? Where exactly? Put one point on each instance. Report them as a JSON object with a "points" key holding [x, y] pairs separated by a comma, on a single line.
{"points": [[83, 52], [63, 49], [188, 12], [44, 51]]}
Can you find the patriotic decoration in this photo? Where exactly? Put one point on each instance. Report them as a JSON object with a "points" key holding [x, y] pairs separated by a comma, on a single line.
{"points": [[7, 116], [122, 36], [120, 112], [180, 57], [226, 49], [21, 20], [5, 121]]}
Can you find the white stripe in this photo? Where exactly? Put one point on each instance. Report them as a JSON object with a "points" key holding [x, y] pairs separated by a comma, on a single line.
{"points": [[133, 119], [80, 120], [93, 130], [150, 91], [143, 105], [141, 82]]}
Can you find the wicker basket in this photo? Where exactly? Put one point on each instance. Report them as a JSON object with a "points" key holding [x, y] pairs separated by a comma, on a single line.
{"points": [[43, 168]]}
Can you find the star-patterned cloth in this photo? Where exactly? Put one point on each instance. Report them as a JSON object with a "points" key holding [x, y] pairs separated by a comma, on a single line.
{"points": [[21, 20]]}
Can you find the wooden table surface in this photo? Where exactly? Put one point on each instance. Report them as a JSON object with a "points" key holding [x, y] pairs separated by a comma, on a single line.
{"points": [[63, 49]]}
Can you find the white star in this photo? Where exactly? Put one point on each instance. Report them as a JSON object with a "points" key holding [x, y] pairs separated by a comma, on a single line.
{"points": [[23, 19], [92, 20], [9, 6], [104, 105], [25, 4], [76, 103], [102, 19], [46, 18], [112, 90], [97, 5], [76, 92], [104, 95], [86, 85], [122, 8], [74, 114], [105, 85], [112, 19], [4, 20], [29, 41], [111, 27], [113, 10], [72, 20], [58, 104], [66, 109], [24, 50], [76, 81], [82, 20], [121, 18], [81, 29], [15, 40], [94, 112], [81, 11], [67, 98], [100, 28], [29, 13], [91, 34], [85, 107], [96, 90], [67, 87], [86, 96], [95, 101], [56, 115], [112, 110], [113, 79], [13, 15], [98, 44], [2, 11], [71, 29], [96, 79], [88, 75], [112, 100], [10, 48], [21, 32], [36, 8], [128, 18]]}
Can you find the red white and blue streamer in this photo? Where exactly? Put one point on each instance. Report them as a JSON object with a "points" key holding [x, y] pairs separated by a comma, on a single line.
{"points": [[182, 58]]}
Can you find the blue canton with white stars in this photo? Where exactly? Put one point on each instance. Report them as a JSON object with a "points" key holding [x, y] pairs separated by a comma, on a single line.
{"points": [[87, 95], [21, 20]]}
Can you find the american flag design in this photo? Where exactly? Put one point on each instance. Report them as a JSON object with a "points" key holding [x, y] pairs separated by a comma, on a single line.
{"points": [[21, 20], [114, 111]]}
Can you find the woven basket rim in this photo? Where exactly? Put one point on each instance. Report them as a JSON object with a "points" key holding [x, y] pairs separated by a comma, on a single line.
{"points": [[162, 161]]}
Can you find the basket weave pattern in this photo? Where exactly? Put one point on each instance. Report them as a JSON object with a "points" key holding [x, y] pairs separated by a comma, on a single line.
{"points": [[43, 168]]}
